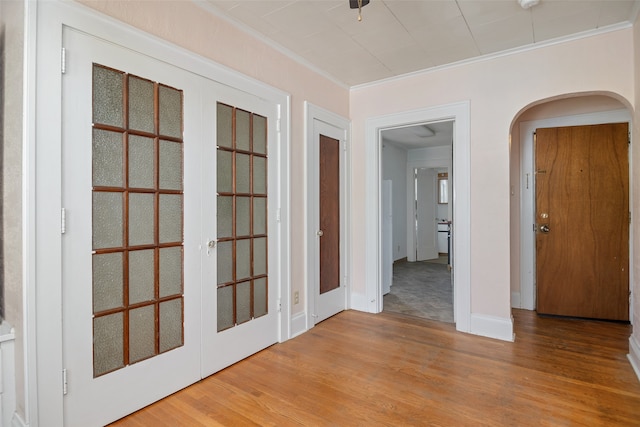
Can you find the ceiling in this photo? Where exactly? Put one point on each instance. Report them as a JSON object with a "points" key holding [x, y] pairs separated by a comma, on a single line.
{"points": [[420, 136], [397, 37]]}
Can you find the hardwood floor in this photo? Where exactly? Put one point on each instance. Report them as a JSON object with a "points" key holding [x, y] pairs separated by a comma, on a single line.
{"points": [[358, 369]]}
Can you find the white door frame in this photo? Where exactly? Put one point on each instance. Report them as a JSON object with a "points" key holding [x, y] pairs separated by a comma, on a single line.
{"points": [[459, 113], [527, 297], [314, 114], [43, 328]]}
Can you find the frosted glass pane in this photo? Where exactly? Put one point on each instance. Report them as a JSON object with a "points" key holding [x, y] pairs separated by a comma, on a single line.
{"points": [[141, 160], [170, 112], [242, 173], [259, 297], [107, 97], [171, 324], [259, 134], [225, 308], [107, 159], [225, 262], [243, 302], [142, 333], [243, 259], [243, 130], [170, 271], [259, 215], [170, 218], [225, 126], [141, 105], [141, 219], [170, 165], [107, 281], [225, 177], [108, 343], [243, 215], [107, 220], [259, 256], [225, 216], [141, 276], [259, 175]]}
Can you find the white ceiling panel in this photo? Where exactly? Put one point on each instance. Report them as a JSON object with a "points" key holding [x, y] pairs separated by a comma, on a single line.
{"points": [[396, 37]]}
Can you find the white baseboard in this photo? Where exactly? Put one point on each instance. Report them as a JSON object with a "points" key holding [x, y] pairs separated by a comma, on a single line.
{"points": [[359, 302], [516, 302], [634, 355], [298, 324], [500, 328]]}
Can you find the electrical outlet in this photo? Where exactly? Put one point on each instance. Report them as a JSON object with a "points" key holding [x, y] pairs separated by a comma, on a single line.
{"points": [[296, 297]]}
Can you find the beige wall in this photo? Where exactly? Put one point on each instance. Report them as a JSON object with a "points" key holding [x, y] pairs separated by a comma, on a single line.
{"points": [[195, 29], [12, 31], [498, 89]]}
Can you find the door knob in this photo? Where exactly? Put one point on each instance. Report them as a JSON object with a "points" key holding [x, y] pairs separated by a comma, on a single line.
{"points": [[320, 233], [544, 228], [210, 245]]}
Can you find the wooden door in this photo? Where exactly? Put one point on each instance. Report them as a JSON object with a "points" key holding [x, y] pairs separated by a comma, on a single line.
{"points": [[329, 214], [582, 221]]}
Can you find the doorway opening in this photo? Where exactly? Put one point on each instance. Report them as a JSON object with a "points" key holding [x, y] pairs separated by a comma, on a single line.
{"points": [[416, 168], [565, 112]]}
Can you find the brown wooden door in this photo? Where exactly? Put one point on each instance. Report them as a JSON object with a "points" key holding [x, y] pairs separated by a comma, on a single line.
{"points": [[582, 221], [329, 214]]}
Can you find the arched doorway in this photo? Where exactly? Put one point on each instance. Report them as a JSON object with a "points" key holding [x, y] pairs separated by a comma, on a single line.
{"points": [[568, 110]]}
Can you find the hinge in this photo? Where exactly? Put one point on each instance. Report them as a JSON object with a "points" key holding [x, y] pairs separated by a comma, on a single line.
{"points": [[344, 145], [279, 306], [64, 381], [278, 125], [63, 60], [278, 215], [629, 217], [63, 221]]}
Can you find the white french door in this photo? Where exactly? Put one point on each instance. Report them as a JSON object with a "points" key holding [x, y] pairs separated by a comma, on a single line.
{"points": [[153, 298]]}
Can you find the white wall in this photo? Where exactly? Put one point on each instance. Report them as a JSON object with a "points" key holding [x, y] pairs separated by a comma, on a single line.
{"points": [[497, 90], [394, 167]]}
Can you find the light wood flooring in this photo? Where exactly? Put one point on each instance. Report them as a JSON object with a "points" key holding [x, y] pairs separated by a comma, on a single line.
{"points": [[358, 369]]}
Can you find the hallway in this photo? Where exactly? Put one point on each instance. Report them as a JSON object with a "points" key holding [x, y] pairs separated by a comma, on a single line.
{"points": [[421, 289]]}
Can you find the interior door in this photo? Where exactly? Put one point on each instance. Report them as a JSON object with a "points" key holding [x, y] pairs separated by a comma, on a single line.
{"points": [[425, 225], [582, 215], [131, 269], [240, 270], [330, 295], [145, 148]]}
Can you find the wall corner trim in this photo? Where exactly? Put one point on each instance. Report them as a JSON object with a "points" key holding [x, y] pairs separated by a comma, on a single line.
{"points": [[500, 328], [298, 324], [634, 355]]}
